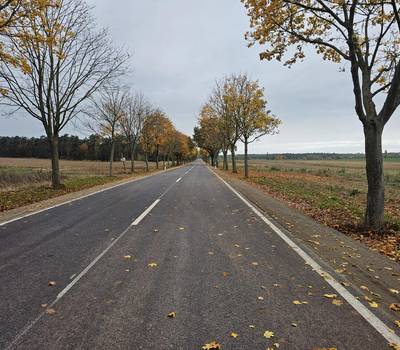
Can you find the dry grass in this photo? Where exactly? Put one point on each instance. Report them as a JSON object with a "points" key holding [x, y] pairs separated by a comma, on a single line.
{"points": [[70, 167]]}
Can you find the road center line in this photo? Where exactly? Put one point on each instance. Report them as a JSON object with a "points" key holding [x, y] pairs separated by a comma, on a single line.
{"points": [[370, 317], [145, 213]]}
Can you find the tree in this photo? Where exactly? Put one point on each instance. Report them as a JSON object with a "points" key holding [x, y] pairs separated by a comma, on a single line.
{"points": [[137, 108], [363, 33], [208, 135], [219, 106], [64, 62], [106, 114], [246, 99]]}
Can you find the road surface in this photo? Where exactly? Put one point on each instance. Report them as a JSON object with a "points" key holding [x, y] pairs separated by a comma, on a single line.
{"points": [[181, 241]]}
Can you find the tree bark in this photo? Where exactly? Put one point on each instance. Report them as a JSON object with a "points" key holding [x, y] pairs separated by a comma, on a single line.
{"points": [[157, 153], [225, 160], [234, 168], [132, 149], [110, 173], [147, 162], [246, 159], [374, 215], [55, 162]]}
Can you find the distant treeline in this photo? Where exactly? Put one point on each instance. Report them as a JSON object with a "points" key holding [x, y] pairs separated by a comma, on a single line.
{"points": [[314, 156], [71, 147]]}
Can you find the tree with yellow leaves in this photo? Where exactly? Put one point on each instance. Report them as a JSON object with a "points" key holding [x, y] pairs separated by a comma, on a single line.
{"points": [[245, 98], [363, 33], [58, 60]]}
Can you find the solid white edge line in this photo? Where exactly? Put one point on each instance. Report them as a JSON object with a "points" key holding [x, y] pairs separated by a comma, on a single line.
{"points": [[83, 197], [370, 317], [179, 179], [145, 213]]}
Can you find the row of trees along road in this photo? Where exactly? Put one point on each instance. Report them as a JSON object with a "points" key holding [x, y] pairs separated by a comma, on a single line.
{"points": [[55, 63], [363, 33], [235, 111], [115, 112]]}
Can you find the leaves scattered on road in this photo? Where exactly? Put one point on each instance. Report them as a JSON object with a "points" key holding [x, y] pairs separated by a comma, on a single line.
{"points": [[50, 311], [212, 346], [234, 335], [152, 264], [268, 334]]}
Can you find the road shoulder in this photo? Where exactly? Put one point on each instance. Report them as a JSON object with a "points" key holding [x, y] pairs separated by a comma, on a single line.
{"points": [[369, 275]]}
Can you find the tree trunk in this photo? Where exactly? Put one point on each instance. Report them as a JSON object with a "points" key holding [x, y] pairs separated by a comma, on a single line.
{"points": [[132, 149], [374, 214], [225, 160], [147, 162], [246, 159], [55, 162], [110, 173], [157, 153], [234, 168]]}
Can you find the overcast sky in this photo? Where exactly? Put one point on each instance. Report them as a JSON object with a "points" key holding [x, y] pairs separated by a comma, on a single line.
{"points": [[179, 48]]}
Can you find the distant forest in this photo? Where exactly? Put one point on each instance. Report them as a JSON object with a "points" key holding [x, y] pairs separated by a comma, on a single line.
{"points": [[96, 147], [315, 156], [93, 147]]}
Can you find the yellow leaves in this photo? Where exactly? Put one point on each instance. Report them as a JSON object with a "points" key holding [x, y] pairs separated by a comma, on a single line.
{"points": [[330, 296], [127, 257], [373, 304], [171, 315], [254, 263], [394, 291], [212, 346], [394, 346], [395, 307], [234, 335], [298, 302], [152, 264], [397, 323], [268, 334], [337, 302]]}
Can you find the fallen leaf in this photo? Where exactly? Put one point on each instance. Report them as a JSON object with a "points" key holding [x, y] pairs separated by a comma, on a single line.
{"points": [[252, 326], [153, 264], [50, 311], [234, 335], [296, 302], [373, 304], [397, 323], [237, 245], [254, 263], [394, 291], [294, 324], [337, 302], [212, 346], [127, 257], [225, 274], [52, 283], [181, 228], [172, 315], [43, 305], [330, 296], [395, 307], [394, 346], [268, 334], [260, 298]]}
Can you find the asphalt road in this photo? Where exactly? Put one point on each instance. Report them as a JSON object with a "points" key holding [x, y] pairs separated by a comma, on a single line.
{"points": [[194, 248]]}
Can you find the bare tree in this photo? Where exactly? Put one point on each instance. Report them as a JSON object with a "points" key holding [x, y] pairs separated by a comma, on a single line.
{"points": [[106, 114], [137, 109], [65, 60]]}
